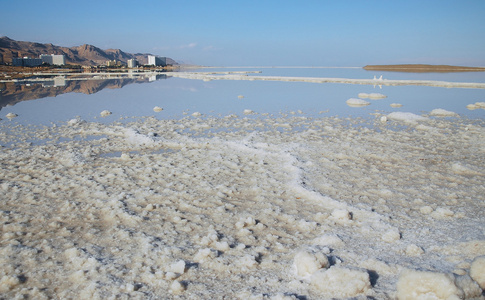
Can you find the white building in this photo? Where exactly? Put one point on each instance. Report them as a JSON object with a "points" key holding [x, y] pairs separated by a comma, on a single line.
{"points": [[132, 63], [157, 60], [53, 59]]}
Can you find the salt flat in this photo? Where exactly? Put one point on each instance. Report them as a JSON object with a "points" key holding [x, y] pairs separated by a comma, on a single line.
{"points": [[251, 207]]}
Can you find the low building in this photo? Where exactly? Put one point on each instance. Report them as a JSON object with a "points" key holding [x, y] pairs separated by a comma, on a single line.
{"points": [[132, 63], [113, 63], [157, 61], [26, 62]]}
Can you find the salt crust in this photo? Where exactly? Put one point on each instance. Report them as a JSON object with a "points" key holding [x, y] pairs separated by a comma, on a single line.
{"points": [[439, 112], [187, 201], [341, 282], [477, 271]]}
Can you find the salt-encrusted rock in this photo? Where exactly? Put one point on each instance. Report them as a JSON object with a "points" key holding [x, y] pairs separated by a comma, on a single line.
{"points": [[11, 115], [413, 285], [395, 105], [248, 112], [341, 215], [355, 102], [177, 287], [477, 271], [383, 119], [439, 112], [178, 267], [341, 282], [105, 113], [157, 109], [196, 114], [470, 288], [75, 122], [406, 117], [308, 262]]}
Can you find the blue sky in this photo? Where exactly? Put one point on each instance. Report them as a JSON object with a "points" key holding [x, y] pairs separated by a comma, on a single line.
{"points": [[262, 33]]}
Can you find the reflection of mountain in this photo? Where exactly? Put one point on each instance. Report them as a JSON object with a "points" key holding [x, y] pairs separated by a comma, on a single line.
{"points": [[12, 93]]}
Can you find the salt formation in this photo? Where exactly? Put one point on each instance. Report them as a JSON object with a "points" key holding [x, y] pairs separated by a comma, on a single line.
{"points": [[157, 109], [476, 105], [341, 282], [355, 102], [439, 112], [240, 97], [11, 115], [243, 207], [105, 113], [373, 96], [406, 117], [395, 105]]}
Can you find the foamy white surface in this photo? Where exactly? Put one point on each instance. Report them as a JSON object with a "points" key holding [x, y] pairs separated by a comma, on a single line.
{"points": [[242, 208]]}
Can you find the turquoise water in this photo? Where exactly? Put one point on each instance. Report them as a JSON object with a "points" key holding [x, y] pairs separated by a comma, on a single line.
{"points": [[181, 97]]}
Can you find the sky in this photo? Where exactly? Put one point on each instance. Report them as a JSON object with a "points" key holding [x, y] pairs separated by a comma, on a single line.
{"points": [[340, 33]]}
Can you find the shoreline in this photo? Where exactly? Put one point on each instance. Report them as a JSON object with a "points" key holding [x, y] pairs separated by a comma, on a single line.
{"points": [[423, 68]]}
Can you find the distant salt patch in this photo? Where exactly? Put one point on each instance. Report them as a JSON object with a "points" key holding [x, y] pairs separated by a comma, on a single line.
{"points": [[406, 117], [396, 105], [11, 115], [439, 112], [196, 114], [157, 109], [105, 113], [355, 102], [248, 112], [240, 97], [374, 96], [476, 105]]}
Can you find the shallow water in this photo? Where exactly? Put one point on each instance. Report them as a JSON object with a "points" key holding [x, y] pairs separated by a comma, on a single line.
{"points": [[179, 96]]}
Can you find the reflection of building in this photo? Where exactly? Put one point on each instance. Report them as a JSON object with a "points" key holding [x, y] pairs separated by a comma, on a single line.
{"points": [[157, 60], [132, 63], [53, 59], [58, 81]]}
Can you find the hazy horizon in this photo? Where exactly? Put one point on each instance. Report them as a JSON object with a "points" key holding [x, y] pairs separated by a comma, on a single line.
{"points": [[269, 33]]}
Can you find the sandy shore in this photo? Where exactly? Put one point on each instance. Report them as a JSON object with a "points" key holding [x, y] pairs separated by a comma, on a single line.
{"points": [[422, 68], [260, 207]]}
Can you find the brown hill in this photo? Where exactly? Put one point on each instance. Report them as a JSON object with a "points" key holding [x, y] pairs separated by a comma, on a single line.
{"points": [[87, 55]]}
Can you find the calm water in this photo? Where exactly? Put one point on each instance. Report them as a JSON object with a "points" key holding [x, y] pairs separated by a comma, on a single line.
{"points": [[37, 104]]}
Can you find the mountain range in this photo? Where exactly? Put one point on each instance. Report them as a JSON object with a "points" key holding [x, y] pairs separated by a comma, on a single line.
{"points": [[86, 55]]}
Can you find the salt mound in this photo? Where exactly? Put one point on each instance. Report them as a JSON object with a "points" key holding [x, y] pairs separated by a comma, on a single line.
{"points": [[341, 282], [413, 284], [377, 96], [363, 95], [439, 112], [477, 271], [355, 102], [105, 113], [405, 117], [395, 105], [476, 105], [11, 115], [248, 112], [307, 263], [196, 114], [240, 97], [157, 109]]}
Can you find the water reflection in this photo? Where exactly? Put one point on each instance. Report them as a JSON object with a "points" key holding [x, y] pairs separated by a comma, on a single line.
{"points": [[12, 93]]}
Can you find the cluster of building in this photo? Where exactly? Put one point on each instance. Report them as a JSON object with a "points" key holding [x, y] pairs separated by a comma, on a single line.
{"points": [[59, 60], [52, 59]]}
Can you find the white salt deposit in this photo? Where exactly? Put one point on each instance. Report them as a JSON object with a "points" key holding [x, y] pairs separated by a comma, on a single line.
{"points": [[406, 117], [355, 102], [231, 207], [476, 105], [439, 112], [341, 282], [105, 113], [240, 97], [477, 271], [11, 115], [157, 109], [376, 96], [395, 105], [248, 112]]}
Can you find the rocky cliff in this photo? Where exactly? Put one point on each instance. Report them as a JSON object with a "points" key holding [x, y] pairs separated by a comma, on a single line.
{"points": [[87, 55]]}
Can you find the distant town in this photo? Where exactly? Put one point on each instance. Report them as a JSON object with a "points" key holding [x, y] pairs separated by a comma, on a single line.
{"points": [[60, 60]]}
